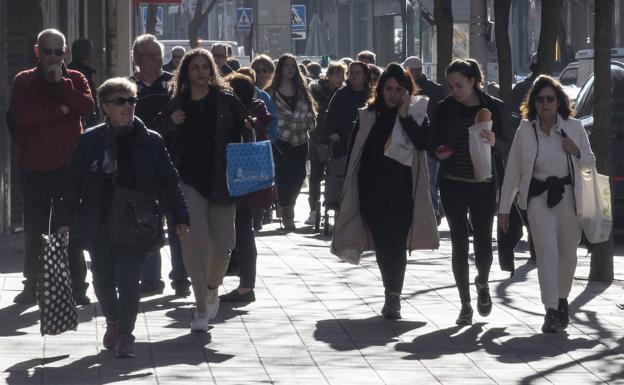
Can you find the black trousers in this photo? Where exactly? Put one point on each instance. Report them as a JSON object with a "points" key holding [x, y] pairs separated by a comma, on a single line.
{"points": [[317, 172], [507, 242], [389, 230], [290, 171], [40, 190], [245, 251], [478, 199]]}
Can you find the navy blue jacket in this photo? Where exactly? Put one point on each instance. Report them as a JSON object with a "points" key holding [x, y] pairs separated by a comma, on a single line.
{"points": [[83, 190]]}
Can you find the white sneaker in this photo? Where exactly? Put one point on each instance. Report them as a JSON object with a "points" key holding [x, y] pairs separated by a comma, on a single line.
{"points": [[212, 303], [311, 219], [200, 322]]}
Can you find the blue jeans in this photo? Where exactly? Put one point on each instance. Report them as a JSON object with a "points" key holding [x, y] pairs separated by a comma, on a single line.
{"points": [[116, 275], [433, 183]]}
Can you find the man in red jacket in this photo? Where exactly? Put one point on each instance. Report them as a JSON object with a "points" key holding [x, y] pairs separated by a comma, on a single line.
{"points": [[47, 102]]}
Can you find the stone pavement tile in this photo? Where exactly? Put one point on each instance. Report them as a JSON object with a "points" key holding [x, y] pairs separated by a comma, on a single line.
{"points": [[406, 377], [238, 360], [21, 378], [280, 372], [257, 374], [340, 376], [302, 360], [339, 359]]}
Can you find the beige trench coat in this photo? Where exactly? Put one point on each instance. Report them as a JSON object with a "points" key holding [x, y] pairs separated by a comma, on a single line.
{"points": [[351, 234]]}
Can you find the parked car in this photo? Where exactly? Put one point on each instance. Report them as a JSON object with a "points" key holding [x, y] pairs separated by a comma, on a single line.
{"points": [[569, 80], [584, 112]]}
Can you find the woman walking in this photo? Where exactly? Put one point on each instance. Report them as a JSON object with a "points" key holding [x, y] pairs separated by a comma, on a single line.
{"points": [[120, 153], [296, 113], [548, 154], [205, 116], [460, 191], [386, 205]]}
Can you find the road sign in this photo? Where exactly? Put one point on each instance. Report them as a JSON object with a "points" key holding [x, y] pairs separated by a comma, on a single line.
{"points": [[243, 18], [298, 17], [298, 35]]}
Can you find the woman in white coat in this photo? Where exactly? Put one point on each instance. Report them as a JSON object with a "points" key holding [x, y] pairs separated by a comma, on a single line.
{"points": [[548, 154]]}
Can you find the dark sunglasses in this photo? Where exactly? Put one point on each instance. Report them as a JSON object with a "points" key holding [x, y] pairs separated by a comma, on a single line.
{"points": [[542, 99], [50, 52], [122, 101]]}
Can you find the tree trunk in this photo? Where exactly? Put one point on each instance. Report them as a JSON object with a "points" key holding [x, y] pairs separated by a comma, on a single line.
{"points": [[150, 23], [551, 19], [198, 19], [443, 18], [503, 48], [601, 267]]}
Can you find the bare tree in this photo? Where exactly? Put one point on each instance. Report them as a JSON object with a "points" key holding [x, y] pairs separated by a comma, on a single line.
{"points": [[443, 18], [150, 23], [503, 48], [546, 48], [601, 266], [198, 19]]}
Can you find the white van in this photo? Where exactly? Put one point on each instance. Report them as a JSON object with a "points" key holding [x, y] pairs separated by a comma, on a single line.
{"points": [[206, 44], [585, 59]]}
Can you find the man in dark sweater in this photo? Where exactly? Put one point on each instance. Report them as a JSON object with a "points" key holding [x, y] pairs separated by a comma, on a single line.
{"points": [[153, 93]]}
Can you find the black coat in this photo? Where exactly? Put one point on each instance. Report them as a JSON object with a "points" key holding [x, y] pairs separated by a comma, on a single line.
{"points": [[83, 190], [322, 95], [445, 123], [341, 116]]}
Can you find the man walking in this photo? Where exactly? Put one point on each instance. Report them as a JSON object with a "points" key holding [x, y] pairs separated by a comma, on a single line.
{"points": [[47, 103]]}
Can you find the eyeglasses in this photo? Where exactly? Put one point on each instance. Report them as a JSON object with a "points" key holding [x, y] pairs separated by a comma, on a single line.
{"points": [[122, 101], [548, 98], [50, 51]]}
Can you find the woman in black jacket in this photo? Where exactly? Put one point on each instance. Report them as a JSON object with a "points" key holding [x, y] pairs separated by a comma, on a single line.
{"points": [[122, 153], [205, 117], [460, 191]]}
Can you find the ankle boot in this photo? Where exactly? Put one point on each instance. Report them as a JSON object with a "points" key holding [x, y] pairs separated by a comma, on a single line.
{"points": [[392, 307], [564, 317], [288, 217], [551, 321]]}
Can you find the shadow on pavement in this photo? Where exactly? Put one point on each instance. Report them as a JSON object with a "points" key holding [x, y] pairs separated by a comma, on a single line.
{"points": [[352, 334]]}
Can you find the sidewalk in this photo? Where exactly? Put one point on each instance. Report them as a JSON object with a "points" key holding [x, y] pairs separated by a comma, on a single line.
{"points": [[316, 321]]}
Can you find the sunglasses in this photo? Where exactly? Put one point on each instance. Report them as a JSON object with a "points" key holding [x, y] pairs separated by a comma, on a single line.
{"points": [[542, 99], [50, 52], [122, 101]]}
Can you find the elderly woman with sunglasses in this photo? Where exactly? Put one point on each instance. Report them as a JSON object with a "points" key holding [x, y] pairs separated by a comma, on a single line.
{"points": [[548, 154], [122, 153]]}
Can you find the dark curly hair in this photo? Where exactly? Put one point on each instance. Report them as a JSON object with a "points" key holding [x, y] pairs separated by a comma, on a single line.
{"points": [[528, 109], [180, 82]]}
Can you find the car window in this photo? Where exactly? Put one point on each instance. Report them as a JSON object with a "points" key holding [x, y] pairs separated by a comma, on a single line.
{"points": [[585, 99], [568, 77]]}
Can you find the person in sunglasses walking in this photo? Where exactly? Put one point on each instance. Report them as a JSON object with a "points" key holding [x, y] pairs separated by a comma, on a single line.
{"points": [[47, 103]]}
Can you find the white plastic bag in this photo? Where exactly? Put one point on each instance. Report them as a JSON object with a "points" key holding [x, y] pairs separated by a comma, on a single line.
{"points": [[399, 147], [596, 214], [480, 151]]}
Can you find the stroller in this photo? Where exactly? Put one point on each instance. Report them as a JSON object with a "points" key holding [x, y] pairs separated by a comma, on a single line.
{"points": [[334, 180]]}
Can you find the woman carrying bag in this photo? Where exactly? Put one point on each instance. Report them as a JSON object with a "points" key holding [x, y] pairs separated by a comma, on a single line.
{"points": [[548, 155], [386, 205], [119, 161]]}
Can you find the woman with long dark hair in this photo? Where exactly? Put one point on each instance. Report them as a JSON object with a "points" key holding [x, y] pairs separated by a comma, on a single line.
{"points": [[548, 154], [296, 113], [386, 205], [205, 116], [461, 192]]}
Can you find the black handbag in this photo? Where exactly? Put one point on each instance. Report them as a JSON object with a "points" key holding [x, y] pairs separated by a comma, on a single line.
{"points": [[135, 221]]}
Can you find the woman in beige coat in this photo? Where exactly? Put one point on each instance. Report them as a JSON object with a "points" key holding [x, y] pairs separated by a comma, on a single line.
{"points": [[386, 205]]}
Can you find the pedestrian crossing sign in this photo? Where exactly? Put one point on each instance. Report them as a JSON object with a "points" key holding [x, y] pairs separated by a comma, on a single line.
{"points": [[243, 18], [298, 17]]}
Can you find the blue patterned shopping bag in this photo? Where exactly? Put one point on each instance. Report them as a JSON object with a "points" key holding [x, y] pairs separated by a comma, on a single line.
{"points": [[249, 167]]}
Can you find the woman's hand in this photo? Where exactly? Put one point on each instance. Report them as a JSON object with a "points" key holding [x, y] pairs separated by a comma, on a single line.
{"points": [[177, 117], [404, 106], [63, 230], [503, 222], [443, 152], [570, 148], [335, 138], [489, 137]]}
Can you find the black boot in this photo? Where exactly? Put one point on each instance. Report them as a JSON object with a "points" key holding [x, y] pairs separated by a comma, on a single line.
{"points": [[564, 317], [28, 294], [551, 321], [288, 217], [465, 315], [392, 307]]}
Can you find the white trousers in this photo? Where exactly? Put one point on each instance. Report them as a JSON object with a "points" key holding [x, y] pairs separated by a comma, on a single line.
{"points": [[206, 248], [556, 233]]}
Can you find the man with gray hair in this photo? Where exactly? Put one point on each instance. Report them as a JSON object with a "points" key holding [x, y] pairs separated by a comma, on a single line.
{"points": [[47, 103], [177, 53], [153, 93]]}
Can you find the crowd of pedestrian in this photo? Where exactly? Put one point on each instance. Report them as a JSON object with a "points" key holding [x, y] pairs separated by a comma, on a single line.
{"points": [[408, 151]]}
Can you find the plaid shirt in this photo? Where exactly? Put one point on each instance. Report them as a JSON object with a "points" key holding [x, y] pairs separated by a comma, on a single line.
{"points": [[293, 126]]}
